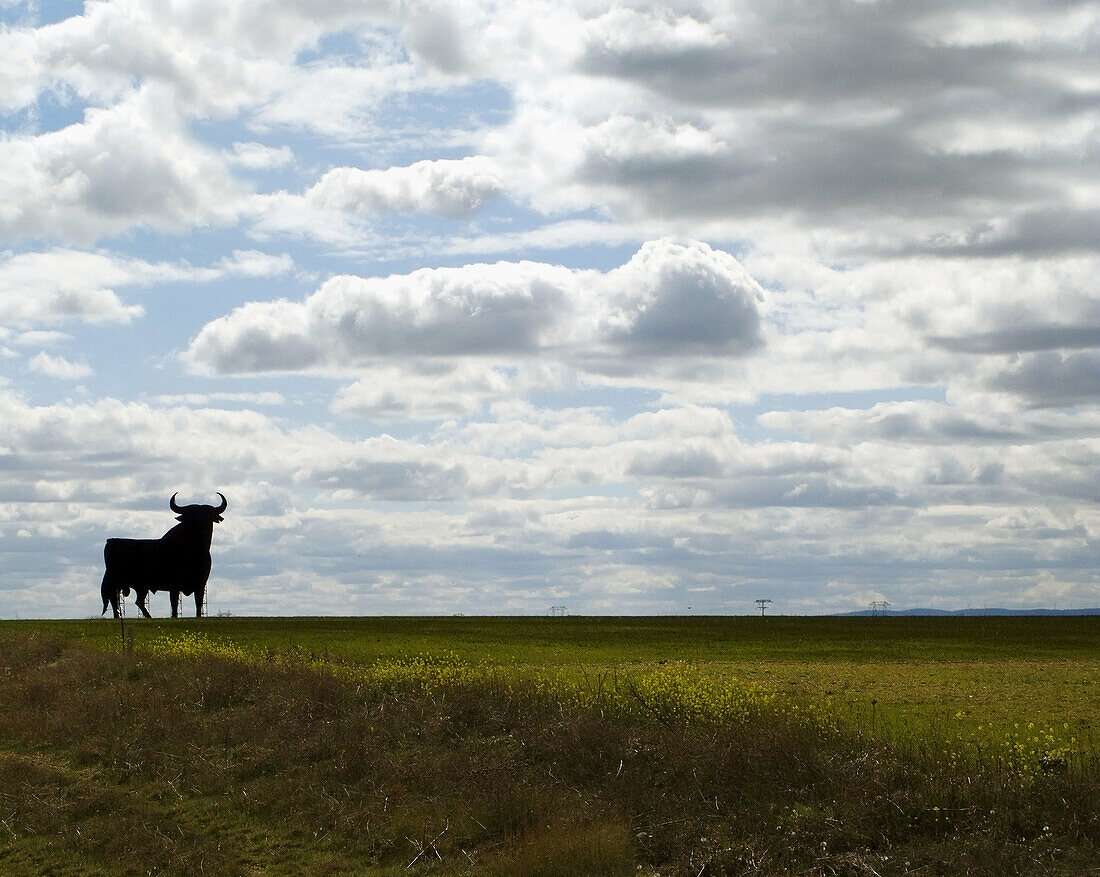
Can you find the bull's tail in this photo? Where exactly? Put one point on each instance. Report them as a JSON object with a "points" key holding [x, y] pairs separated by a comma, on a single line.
{"points": [[111, 594], [104, 588], [107, 594]]}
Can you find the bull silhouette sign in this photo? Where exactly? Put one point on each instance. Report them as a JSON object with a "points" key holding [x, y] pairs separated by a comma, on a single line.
{"points": [[177, 562]]}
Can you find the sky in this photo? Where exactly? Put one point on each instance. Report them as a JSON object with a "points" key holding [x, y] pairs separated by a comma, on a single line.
{"points": [[486, 307]]}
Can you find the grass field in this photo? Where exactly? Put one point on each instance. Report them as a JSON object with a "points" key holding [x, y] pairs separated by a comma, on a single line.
{"points": [[534, 745]]}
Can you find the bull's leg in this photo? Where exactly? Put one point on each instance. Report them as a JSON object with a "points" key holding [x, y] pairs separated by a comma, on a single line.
{"points": [[175, 595], [198, 601], [142, 597]]}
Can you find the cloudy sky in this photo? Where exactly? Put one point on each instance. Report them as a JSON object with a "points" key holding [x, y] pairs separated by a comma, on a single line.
{"points": [[482, 307]]}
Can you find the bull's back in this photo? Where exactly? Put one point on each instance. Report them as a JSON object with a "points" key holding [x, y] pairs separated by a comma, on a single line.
{"points": [[153, 563], [129, 557]]}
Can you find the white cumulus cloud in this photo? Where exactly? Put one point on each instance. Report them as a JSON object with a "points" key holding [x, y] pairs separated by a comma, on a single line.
{"points": [[129, 165], [58, 367], [669, 299]]}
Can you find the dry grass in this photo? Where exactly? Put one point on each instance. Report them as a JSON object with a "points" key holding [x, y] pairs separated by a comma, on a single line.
{"points": [[208, 764]]}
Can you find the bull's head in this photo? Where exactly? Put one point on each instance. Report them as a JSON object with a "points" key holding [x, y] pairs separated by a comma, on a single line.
{"points": [[198, 513]]}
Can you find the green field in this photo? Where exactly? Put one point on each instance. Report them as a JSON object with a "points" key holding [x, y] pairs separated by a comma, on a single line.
{"points": [[907, 675], [783, 745]]}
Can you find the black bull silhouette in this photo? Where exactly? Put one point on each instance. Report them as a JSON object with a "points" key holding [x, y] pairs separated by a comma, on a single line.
{"points": [[177, 562]]}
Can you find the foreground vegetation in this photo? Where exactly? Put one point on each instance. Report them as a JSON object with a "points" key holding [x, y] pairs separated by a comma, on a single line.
{"points": [[262, 746]]}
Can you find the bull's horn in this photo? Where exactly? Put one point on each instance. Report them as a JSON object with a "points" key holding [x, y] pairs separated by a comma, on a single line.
{"points": [[172, 504], [224, 505]]}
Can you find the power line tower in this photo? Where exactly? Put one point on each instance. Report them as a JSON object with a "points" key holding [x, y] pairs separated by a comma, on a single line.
{"points": [[763, 604], [558, 611], [879, 607]]}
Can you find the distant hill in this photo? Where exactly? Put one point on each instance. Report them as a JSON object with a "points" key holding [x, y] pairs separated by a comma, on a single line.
{"points": [[990, 611]]}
